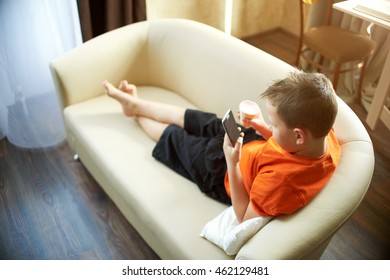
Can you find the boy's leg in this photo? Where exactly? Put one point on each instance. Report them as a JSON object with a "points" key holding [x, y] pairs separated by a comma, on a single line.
{"points": [[152, 128], [197, 157], [137, 107]]}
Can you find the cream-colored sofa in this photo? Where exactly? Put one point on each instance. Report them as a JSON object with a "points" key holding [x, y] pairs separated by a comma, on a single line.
{"points": [[190, 64]]}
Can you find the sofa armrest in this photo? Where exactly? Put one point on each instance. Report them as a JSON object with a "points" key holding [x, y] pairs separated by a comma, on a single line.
{"points": [[306, 233], [116, 55]]}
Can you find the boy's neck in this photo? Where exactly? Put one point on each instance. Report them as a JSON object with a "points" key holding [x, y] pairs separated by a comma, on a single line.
{"points": [[315, 149]]}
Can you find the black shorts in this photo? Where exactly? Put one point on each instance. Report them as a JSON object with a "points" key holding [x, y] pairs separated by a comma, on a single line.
{"points": [[196, 151]]}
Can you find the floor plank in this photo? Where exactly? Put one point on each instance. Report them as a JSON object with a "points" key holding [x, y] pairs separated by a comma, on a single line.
{"points": [[51, 208], [277, 42]]}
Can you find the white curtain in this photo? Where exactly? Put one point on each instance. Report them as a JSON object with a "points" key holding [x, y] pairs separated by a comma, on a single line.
{"points": [[32, 33]]}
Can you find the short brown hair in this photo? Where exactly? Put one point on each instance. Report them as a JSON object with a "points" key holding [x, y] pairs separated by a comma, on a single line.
{"points": [[304, 100]]}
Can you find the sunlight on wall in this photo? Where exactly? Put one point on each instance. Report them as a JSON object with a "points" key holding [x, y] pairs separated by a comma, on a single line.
{"points": [[228, 16], [211, 12], [240, 18], [255, 16]]}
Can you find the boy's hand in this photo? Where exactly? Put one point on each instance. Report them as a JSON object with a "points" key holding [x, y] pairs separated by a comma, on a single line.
{"points": [[232, 154], [259, 124], [255, 122]]}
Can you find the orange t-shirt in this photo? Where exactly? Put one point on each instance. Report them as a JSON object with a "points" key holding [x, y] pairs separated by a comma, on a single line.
{"points": [[279, 182]]}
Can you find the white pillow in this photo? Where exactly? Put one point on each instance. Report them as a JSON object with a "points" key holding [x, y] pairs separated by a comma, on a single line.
{"points": [[225, 231]]}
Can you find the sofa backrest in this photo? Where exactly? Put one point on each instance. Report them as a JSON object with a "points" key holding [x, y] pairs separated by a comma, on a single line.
{"points": [[214, 71]]}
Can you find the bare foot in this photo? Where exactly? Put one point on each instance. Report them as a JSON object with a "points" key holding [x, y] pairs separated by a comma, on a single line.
{"points": [[128, 88], [126, 99]]}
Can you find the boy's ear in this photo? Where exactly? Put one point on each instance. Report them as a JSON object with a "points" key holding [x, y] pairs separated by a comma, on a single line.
{"points": [[300, 136]]}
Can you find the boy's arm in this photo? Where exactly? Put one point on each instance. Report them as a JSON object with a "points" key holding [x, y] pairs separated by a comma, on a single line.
{"points": [[259, 124], [240, 199]]}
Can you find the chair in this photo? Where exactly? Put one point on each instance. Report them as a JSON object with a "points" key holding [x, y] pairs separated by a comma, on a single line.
{"points": [[338, 45]]}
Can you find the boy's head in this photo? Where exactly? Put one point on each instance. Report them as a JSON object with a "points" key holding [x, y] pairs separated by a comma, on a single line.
{"points": [[304, 100]]}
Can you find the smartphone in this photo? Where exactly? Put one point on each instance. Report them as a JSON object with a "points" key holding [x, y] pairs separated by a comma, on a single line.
{"points": [[230, 126]]}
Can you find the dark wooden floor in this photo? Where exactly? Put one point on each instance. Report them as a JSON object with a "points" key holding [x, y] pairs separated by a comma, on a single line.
{"points": [[276, 42], [51, 208]]}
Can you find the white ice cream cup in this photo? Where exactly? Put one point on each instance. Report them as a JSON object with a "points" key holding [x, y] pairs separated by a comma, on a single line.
{"points": [[248, 110]]}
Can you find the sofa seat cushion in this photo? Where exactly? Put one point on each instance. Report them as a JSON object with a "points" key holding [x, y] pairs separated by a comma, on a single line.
{"points": [[119, 152]]}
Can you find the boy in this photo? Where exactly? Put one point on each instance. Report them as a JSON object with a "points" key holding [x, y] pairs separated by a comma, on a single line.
{"points": [[271, 174]]}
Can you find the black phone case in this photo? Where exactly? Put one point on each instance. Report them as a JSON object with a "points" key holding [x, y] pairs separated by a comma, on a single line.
{"points": [[230, 126]]}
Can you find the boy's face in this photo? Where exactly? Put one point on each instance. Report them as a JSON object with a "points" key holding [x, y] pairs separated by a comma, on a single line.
{"points": [[284, 136]]}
